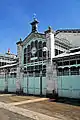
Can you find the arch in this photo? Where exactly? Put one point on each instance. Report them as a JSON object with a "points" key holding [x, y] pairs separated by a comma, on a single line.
{"points": [[32, 44], [44, 44], [60, 72], [78, 70], [25, 52], [66, 71], [40, 54], [28, 47], [36, 43], [73, 70], [40, 44]]}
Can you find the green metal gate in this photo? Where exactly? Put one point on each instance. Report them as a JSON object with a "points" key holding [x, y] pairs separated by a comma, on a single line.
{"points": [[69, 86], [2, 82], [34, 85], [11, 83]]}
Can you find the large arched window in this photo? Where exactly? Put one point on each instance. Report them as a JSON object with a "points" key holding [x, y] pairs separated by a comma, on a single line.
{"points": [[40, 44], [28, 47], [25, 55], [32, 44], [36, 44], [44, 55], [44, 44], [40, 54], [25, 49]]}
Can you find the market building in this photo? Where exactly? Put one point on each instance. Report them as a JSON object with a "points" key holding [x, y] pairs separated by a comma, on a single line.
{"points": [[8, 72], [38, 67], [35, 55], [68, 73]]}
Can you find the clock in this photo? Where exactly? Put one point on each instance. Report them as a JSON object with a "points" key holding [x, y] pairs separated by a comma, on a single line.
{"points": [[33, 51]]}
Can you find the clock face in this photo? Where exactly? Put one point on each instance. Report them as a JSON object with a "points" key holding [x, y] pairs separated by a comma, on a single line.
{"points": [[33, 51]]}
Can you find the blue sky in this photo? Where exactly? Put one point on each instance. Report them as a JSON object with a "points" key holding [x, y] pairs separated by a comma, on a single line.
{"points": [[15, 16]]}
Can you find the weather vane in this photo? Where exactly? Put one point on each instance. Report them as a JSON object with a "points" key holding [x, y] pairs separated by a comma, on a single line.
{"points": [[34, 16]]}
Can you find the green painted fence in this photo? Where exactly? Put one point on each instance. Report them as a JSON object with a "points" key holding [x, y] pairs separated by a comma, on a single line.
{"points": [[2, 82], [69, 86], [31, 85], [12, 84]]}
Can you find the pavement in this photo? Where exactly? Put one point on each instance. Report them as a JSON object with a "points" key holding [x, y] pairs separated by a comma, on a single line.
{"points": [[28, 101], [7, 115], [14, 107], [10, 107], [25, 112]]}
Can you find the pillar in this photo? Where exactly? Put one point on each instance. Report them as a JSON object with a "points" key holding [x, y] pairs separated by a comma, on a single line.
{"points": [[51, 72], [19, 66]]}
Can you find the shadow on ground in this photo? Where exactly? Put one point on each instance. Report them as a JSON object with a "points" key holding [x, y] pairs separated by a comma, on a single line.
{"points": [[74, 102]]}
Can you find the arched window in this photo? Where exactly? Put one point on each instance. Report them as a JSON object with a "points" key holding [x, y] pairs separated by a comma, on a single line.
{"points": [[40, 54], [28, 59], [44, 44], [25, 49], [28, 47], [56, 52], [60, 72], [36, 44], [66, 71], [36, 54], [44, 55], [73, 70], [40, 44], [32, 44]]}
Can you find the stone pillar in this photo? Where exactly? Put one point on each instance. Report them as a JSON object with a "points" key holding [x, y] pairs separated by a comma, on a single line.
{"points": [[19, 66], [50, 43], [51, 68]]}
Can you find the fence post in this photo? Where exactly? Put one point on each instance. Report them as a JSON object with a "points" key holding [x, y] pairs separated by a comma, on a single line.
{"points": [[6, 80], [40, 83], [27, 82]]}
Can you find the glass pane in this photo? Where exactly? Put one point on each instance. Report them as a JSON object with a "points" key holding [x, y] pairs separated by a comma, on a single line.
{"points": [[36, 44], [44, 44], [40, 44]]}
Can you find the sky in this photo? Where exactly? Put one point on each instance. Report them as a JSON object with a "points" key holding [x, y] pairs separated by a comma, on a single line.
{"points": [[16, 15]]}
